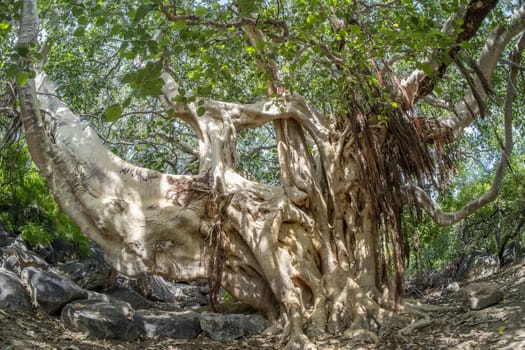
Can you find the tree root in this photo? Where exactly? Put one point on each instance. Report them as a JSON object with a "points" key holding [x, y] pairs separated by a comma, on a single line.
{"points": [[300, 342], [416, 325], [361, 335], [420, 310]]}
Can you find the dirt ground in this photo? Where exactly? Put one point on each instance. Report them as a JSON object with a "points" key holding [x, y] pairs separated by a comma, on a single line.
{"points": [[501, 327]]}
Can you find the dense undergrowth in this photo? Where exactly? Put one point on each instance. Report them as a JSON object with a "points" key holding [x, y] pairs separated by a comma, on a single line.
{"points": [[28, 208]]}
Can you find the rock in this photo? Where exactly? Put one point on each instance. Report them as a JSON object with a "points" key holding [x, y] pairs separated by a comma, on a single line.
{"points": [[13, 296], [100, 320], [513, 253], [175, 325], [477, 264], [6, 237], [124, 307], [88, 273], [50, 290], [46, 252], [136, 300], [232, 326], [482, 295], [26, 257], [11, 263], [452, 288], [3, 254], [62, 251], [154, 288], [189, 295]]}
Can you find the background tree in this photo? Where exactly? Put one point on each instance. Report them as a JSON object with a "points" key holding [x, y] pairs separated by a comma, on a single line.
{"points": [[354, 95]]}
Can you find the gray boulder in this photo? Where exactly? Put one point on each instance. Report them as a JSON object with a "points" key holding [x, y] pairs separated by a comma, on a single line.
{"points": [[100, 320], [156, 288], [189, 295], [232, 326], [25, 256], [11, 264], [50, 290], [13, 296], [124, 307], [128, 295], [477, 265], [153, 287], [175, 325], [89, 273], [482, 295]]}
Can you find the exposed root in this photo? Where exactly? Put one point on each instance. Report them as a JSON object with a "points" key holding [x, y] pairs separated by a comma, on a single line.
{"points": [[361, 335], [422, 311], [300, 342], [425, 321], [410, 305]]}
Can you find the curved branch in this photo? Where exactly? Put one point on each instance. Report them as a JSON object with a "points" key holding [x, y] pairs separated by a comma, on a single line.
{"points": [[250, 115], [419, 84], [449, 218], [447, 128]]}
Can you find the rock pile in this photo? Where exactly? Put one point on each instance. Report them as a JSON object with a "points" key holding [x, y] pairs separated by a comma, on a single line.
{"points": [[90, 298]]}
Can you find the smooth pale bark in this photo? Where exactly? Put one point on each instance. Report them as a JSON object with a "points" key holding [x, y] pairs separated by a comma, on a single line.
{"points": [[305, 253]]}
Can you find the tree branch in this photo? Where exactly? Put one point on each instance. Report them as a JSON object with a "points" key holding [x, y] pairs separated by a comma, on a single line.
{"points": [[419, 84], [446, 129], [449, 218]]}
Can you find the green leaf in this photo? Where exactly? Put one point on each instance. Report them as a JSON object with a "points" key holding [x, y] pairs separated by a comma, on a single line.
{"points": [[178, 25], [117, 28], [21, 78], [79, 32], [12, 70], [425, 67], [126, 102], [83, 20], [200, 111], [100, 22], [246, 7], [77, 11], [113, 112], [201, 11], [311, 18], [4, 26], [142, 11], [250, 50], [354, 28]]}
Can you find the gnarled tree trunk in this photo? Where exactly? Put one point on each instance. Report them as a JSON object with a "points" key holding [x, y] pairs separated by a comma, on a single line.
{"points": [[309, 253]]}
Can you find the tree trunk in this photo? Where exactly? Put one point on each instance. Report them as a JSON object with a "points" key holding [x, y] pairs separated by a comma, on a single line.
{"points": [[304, 254]]}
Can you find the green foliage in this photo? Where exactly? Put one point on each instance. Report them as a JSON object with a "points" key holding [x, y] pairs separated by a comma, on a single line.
{"points": [[26, 205]]}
